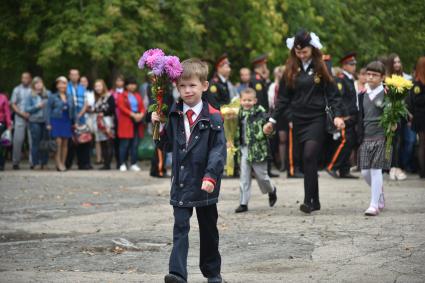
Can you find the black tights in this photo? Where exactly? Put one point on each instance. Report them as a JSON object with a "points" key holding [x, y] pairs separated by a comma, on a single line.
{"points": [[421, 154], [283, 138], [311, 149], [107, 151]]}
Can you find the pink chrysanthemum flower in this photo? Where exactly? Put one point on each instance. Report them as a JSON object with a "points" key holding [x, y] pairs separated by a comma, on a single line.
{"points": [[173, 68], [149, 57]]}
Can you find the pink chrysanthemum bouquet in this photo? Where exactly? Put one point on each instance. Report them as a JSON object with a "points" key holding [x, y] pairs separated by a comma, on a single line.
{"points": [[164, 69]]}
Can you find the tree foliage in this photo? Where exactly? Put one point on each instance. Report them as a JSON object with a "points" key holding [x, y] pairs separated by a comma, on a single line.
{"points": [[106, 37]]}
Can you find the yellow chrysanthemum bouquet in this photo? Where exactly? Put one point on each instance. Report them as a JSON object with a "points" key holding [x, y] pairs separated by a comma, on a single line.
{"points": [[230, 114], [394, 107]]}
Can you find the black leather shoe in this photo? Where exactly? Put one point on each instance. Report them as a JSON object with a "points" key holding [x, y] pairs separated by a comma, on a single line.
{"points": [[105, 168], [216, 279], [316, 206], [348, 176], [16, 167], [272, 198], [332, 173], [306, 208], [172, 278], [241, 208]]}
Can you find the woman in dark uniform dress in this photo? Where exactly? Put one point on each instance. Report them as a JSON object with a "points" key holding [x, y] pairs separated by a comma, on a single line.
{"points": [[301, 99], [416, 106]]}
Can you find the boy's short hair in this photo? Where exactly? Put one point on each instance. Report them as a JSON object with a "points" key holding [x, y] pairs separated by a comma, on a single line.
{"points": [[194, 67], [248, 90], [376, 66]]}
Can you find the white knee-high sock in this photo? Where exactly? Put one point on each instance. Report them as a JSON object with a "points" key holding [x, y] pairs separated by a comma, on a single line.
{"points": [[376, 188], [366, 175]]}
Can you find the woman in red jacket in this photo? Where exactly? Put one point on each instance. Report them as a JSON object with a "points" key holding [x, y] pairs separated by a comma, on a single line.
{"points": [[130, 124]]}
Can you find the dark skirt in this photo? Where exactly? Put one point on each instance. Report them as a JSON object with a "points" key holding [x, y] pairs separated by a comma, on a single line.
{"points": [[311, 129], [61, 127]]}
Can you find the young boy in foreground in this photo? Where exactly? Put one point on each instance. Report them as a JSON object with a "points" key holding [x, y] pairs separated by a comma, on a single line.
{"points": [[194, 133]]}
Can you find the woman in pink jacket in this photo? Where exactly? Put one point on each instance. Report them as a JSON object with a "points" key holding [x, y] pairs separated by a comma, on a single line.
{"points": [[5, 124]]}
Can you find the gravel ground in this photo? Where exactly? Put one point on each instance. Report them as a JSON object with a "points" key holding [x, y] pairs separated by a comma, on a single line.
{"points": [[73, 227]]}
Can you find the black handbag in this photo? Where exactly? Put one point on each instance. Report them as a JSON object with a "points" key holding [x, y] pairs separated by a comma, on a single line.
{"points": [[47, 144], [330, 126]]}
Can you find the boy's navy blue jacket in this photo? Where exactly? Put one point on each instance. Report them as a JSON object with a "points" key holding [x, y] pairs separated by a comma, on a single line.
{"points": [[203, 158]]}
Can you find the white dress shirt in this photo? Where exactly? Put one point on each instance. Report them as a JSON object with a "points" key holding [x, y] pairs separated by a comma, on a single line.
{"points": [[306, 64], [197, 110], [350, 76], [374, 92]]}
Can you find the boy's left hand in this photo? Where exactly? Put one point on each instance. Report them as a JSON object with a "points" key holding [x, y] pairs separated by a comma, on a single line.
{"points": [[207, 186]]}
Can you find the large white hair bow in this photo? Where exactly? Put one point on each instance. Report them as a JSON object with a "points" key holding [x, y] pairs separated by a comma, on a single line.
{"points": [[315, 41]]}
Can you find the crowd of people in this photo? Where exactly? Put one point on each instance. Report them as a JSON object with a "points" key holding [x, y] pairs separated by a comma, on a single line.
{"points": [[73, 121], [83, 119]]}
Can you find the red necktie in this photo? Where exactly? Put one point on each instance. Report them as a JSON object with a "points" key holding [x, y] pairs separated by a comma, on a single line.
{"points": [[189, 114]]}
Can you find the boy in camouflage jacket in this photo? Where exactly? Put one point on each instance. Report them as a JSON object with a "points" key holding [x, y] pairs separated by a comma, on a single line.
{"points": [[253, 146]]}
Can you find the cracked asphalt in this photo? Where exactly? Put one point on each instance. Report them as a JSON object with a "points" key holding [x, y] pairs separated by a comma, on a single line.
{"points": [[60, 227]]}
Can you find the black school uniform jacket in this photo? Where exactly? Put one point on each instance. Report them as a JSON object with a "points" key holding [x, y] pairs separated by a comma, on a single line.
{"points": [[306, 100], [218, 93], [202, 157], [261, 87], [348, 98], [416, 105]]}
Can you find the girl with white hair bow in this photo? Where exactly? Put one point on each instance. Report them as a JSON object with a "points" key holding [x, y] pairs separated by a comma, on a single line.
{"points": [[305, 91]]}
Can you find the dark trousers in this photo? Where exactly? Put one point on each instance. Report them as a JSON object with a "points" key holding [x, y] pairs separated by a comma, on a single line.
{"points": [[107, 151], [130, 146], [311, 153], [341, 155], [117, 151], [82, 151], [407, 147], [209, 259], [38, 131]]}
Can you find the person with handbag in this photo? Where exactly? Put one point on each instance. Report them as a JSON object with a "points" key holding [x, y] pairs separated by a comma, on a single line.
{"points": [[36, 106], [60, 115], [80, 145], [5, 125], [104, 107], [306, 86]]}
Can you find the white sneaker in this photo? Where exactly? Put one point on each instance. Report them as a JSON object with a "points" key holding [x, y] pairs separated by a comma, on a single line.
{"points": [[392, 174], [135, 168], [400, 175], [123, 168]]}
